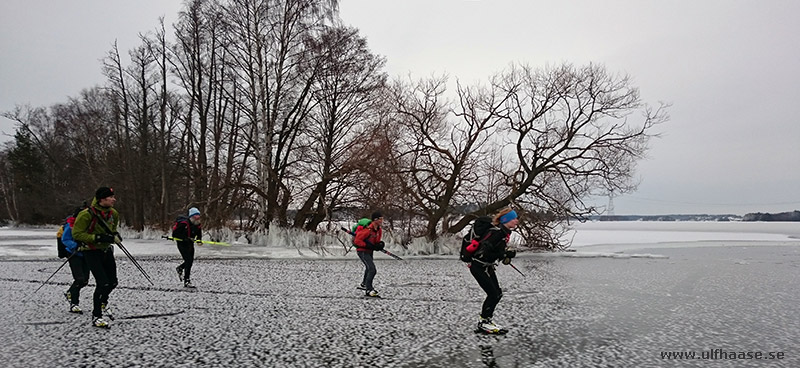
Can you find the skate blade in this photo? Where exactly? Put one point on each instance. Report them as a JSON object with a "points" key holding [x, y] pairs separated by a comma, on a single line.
{"points": [[497, 332]]}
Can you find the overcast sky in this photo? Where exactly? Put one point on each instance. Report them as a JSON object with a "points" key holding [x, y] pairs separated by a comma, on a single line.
{"points": [[730, 68]]}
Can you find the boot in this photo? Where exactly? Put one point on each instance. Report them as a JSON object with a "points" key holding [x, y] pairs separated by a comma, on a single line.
{"points": [[100, 322], [486, 325], [106, 310]]}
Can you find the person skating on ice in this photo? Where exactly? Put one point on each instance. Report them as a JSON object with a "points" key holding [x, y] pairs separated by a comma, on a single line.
{"points": [[98, 250], [366, 240], [485, 253], [77, 264], [188, 230]]}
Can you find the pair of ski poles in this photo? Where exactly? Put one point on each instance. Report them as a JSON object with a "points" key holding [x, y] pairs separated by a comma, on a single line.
{"points": [[388, 253], [118, 243], [201, 242]]}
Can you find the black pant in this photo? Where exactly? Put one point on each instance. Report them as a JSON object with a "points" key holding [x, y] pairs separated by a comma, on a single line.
{"points": [[487, 279], [80, 277], [187, 253], [104, 270], [369, 269]]}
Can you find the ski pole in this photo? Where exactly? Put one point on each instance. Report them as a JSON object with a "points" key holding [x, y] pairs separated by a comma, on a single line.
{"points": [[54, 273], [515, 267], [390, 254], [118, 242], [135, 262]]}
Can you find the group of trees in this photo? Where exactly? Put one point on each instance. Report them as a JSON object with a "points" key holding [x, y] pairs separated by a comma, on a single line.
{"points": [[266, 111]]}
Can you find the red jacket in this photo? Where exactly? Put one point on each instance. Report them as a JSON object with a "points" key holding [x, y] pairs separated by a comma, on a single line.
{"points": [[366, 238]]}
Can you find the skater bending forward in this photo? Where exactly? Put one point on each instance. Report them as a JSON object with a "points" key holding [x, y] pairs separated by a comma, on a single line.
{"points": [[368, 239], [485, 254]]}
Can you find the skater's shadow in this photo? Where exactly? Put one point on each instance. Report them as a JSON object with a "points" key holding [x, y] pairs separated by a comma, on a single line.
{"points": [[487, 356]]}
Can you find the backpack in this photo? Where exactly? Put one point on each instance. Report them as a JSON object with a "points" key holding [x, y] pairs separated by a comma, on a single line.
{"points": [[480, 230], [62, 249], [364, 222], [175, 226]]}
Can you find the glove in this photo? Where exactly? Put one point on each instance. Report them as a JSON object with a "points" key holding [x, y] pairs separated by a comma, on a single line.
{"points": [[104, 238], [119, 237], [506, 261], [511, 254], [380, 245]]}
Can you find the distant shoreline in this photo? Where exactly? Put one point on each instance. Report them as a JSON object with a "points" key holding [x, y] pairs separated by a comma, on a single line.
{"points": [[792, 216]]}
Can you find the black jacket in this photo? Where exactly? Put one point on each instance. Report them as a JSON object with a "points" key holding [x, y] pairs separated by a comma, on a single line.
{"points": [[493, 247]]}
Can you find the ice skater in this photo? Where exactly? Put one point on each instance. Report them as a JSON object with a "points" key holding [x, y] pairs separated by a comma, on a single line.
{"points": [[98, 249], [186, 231], [77, 263], [485, 253], [367, 239]]}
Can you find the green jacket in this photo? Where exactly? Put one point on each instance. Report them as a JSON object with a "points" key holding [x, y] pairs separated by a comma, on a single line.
{"points": [[86, 226]]}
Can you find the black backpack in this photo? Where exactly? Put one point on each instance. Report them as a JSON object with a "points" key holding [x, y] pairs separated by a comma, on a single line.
{"points": [[175, 226], [480, 231]]}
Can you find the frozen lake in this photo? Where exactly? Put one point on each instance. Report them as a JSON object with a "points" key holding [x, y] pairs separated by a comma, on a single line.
{"points": [[598, 306]]}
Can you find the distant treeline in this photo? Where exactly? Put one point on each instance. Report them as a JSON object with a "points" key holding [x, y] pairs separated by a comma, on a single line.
{"points": [[783, 216], [758, 216], [667, 218]]}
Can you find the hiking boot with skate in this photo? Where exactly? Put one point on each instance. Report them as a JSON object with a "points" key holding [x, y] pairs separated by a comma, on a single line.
{"points": [[485, 325], [373, 294], [180, 272], [68, 295], [74, 308], [361, 287], [100, 322], [188, 284], [107, 311]]}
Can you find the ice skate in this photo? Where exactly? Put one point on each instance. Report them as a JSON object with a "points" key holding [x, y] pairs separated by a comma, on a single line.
{"points": [[74, 308], [361, 287], [486, 326], [107, 311], [180, 272], [188, 284], [100, 322], [372, 294]]}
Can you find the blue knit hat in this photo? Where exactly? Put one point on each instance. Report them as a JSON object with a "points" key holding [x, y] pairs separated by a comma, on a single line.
{"points": [[193, 211]]}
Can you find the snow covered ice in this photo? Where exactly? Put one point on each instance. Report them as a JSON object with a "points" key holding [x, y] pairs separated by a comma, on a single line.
{"points": [[602, 305]]}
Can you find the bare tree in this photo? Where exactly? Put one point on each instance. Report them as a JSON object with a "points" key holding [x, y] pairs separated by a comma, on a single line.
{"points": [[442, 145], [574, 133], [344, 97], [277, 71]]}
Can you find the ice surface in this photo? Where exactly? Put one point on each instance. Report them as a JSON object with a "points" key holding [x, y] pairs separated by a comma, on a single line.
{"points": [[289, 307]]}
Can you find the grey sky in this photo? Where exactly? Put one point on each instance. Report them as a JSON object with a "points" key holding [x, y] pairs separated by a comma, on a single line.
{"points": [[729, 67]]}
